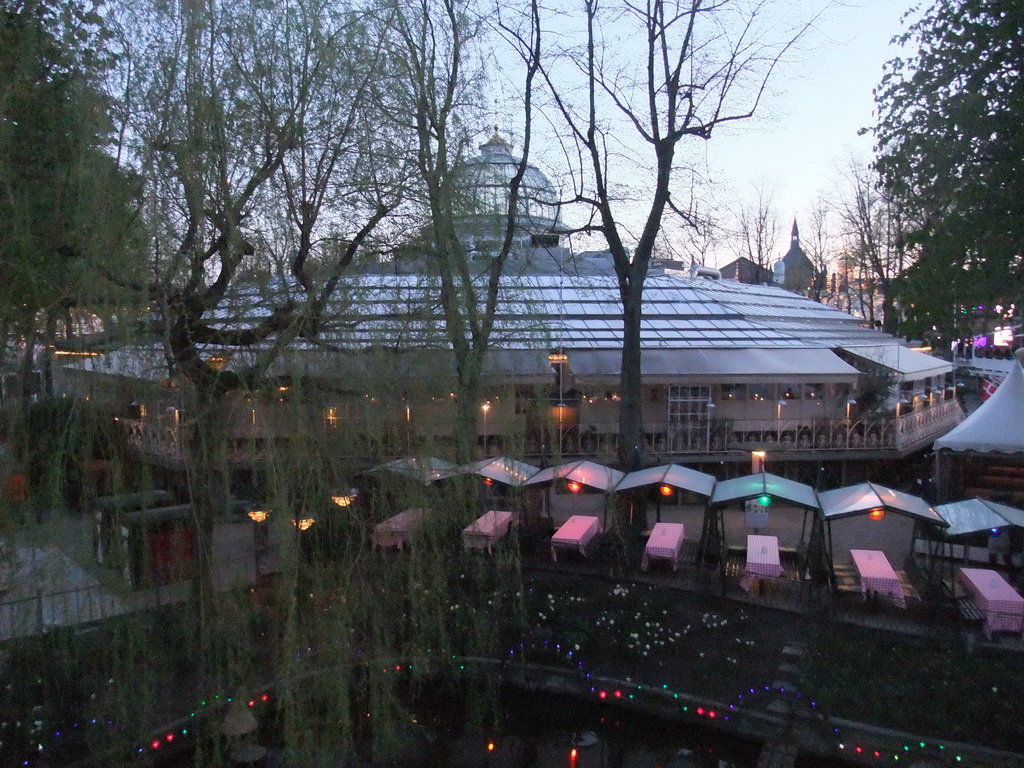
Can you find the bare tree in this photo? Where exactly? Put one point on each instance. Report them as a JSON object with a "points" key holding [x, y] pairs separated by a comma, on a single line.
{"points": [[873, 236], [647, 77], [757, 226], [819, 247], [435, 96]]}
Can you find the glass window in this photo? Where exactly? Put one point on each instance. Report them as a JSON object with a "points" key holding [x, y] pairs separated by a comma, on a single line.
{"points": [[734, 391], [760, 393], [814, 391]]}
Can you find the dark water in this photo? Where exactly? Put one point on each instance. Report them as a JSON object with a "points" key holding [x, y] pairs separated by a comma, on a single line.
{"points": [[539, 730]]}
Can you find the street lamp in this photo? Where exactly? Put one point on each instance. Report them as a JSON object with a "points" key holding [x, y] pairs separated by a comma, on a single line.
{"points": [[485, 408]]}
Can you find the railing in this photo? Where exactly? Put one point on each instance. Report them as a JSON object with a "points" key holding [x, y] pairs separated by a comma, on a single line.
{"points": [[37, 614], [897, 434]]}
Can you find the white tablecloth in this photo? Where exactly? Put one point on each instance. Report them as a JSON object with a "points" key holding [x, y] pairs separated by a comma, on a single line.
{"points": [[1002, 605], [665, 542], [762, 559], [877, 575], [487, 529], [576, 533], [398, 530]]}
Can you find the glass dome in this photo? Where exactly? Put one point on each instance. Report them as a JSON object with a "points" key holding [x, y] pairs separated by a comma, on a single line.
{"points": [[489, 175]]}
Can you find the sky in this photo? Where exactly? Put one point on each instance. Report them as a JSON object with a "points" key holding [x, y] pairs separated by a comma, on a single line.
{"points": [[809, 125]]}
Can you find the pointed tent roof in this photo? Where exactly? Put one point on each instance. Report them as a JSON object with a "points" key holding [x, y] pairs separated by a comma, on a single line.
{"points": [[975, 515], [427, 469], [997, 426], [587, 472], [752, 486], [502, 469], [670, 474], [862, 498]]}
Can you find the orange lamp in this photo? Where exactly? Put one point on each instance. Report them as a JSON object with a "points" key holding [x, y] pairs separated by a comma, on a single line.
{"points": [[666, 490], [876, 514], [574, 487]]}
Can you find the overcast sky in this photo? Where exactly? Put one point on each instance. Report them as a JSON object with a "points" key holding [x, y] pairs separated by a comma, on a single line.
{"points": [[809, 126]]}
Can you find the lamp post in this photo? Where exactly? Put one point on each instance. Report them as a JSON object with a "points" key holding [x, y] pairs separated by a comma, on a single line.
{"points": [[485, 408]]}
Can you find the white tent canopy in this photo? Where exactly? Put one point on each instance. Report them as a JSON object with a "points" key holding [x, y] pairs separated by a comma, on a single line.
{"points": [[502, 469], [975, 515], [426, 469], [862, 498], [588, 473], [674, 475], [752, 486], [997, 426]]}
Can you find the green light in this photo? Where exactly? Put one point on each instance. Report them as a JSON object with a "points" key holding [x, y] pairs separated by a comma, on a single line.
{"points": [[764, 499]]}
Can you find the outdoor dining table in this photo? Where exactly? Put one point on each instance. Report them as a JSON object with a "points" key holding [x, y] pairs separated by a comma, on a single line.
{"points": [[876, 575], [992, 594], [665, 542], [575, 533], [488, 528], [398, 530], [762, 559]]}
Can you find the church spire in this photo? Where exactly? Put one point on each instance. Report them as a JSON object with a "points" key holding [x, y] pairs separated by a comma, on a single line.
{"points": [[794, 238]]}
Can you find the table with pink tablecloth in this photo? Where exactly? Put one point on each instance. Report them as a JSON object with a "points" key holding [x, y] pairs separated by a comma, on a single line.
{"points": [[665, 542], [1002, 605], [576, 533], [398, 530], [762, 559], [877, 575], [488, 528]]}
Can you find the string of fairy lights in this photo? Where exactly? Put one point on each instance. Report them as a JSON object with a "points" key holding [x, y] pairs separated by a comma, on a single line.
{"points": [[848, 743]]}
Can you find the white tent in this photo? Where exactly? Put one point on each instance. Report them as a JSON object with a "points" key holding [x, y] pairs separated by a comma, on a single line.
{"points": [[974, 515], [752, 486], [588, 473], [862, 498], [672, 475], [997, 426], [502, 469]]}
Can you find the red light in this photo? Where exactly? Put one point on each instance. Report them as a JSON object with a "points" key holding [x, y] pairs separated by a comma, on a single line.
{"points": [[711, 713], [264, 697], [618, 694], [602, 695], [572, 757], [700, 710], [666, 490], [574, 487], [252, 703], [170, 737], [155, 744], [877, 753], [876, 514], [488, 481], [859, 750]]}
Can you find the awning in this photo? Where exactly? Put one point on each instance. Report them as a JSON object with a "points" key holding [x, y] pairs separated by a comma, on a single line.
{"points": [[976, 515], [674, 475], [502, 470], [427, 470], [820, 365], [908, 362], [588, 473], [752, 486], [860, 499]]}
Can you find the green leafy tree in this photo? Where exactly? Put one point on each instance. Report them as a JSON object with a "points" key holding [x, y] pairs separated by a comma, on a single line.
{"points": [[950, 152], [67, 209]]}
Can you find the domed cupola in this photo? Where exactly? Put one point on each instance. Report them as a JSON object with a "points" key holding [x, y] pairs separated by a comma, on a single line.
{"points": [[488, 177]]}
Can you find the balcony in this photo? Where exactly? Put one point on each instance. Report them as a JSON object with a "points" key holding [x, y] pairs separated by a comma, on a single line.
{"points": [[818, 438]]}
